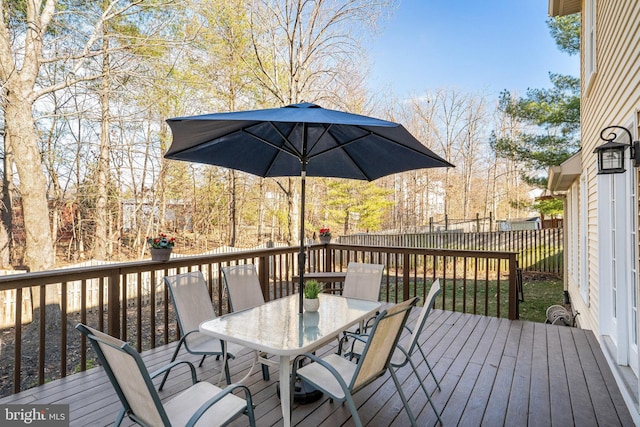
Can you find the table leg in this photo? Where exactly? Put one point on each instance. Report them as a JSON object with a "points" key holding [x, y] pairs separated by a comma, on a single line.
{"points": [[285, 392]]}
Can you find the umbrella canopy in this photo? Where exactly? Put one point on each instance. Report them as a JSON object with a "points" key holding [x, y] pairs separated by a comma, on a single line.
{"points": [[300, 140]]}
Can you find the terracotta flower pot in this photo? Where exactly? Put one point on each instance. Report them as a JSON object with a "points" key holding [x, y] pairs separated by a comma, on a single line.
{"points": [[160, 254]]}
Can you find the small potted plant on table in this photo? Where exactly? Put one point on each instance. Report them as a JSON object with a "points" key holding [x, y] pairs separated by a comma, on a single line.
{"points": [[312, 289]]}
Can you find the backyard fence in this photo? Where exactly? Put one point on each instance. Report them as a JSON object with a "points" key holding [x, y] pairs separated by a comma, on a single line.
{"points": [[538, 250]]}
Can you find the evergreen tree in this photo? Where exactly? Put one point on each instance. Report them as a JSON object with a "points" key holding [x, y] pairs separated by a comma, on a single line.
{"points": [[551, 117]]}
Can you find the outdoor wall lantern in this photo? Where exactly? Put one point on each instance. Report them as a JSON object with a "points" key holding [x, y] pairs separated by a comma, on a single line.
{"points": [[611, 153]]}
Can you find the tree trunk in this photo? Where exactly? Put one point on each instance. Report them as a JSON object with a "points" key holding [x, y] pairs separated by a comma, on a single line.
{"points": [[6, 228], [233, 208], [33, 184], [101, 213]]}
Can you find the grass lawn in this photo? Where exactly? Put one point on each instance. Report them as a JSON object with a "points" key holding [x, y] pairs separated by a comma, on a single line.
{"points": [[538, 296], [540, 292]]}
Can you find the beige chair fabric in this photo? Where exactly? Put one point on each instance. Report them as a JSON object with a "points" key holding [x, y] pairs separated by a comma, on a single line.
{"points": [[243, 286], [202, 404], [363, 281], [340, 378], [193, 306]]}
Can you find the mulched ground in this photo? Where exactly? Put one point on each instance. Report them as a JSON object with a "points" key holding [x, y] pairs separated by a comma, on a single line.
{"points": [[29, 345]]}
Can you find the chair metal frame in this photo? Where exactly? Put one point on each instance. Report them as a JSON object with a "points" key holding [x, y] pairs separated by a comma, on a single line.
{"points": [[403, 354], [244, 292], [192, 308], [340, 378], [141, 403]]}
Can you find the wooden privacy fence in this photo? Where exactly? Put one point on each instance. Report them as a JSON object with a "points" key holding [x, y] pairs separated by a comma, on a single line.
{"points": [[129, 300], [538, 250]]}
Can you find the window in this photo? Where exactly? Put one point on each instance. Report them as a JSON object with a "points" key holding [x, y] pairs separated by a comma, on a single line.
{"points": [[584, 241], [589, 41]]}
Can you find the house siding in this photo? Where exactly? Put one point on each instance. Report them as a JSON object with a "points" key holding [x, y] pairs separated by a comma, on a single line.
{"points": [[613, 97], [609, 96]]}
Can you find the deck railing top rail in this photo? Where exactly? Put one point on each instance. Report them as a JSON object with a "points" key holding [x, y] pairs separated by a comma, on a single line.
{"points": [[128, 300]]}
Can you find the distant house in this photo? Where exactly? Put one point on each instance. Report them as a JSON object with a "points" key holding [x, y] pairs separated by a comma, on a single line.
{"points": [[519, 224], [601, 210]]}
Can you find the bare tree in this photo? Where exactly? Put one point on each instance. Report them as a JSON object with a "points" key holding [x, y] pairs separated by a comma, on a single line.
{"points": [[305, 50]]}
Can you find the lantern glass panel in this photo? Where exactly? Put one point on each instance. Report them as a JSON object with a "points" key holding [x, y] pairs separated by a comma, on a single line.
{"points": [[612, 159]]}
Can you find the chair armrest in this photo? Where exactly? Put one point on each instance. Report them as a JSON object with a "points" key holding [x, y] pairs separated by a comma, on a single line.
{"points": [[369, 321], [358, 337], [166, 368], [321, 362], [215, 399]]}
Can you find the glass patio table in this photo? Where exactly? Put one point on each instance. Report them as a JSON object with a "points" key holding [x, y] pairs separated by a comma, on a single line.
{"points": [[277, 328]]}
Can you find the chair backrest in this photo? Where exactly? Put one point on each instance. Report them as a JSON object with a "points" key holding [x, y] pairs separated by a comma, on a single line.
{"points": [[243, 286], [129, 377], [434, 291], [191, 300], [383, 337], [363, 281]]}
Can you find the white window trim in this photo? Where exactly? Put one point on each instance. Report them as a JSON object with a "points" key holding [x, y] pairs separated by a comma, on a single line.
{"points": [[583, 240], [590, 63]]}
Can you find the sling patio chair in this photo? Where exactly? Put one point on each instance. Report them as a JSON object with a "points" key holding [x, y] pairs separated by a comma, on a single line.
{"points": [[340, 378], [362, 282], [193, 306], [404, 351], [244, 291], [201, 404]]}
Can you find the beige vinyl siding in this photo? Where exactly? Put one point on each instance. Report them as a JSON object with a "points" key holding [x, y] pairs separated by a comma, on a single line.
{"points": [[612, 99]]}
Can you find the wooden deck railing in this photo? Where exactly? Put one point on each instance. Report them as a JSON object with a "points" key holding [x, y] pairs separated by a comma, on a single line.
{"points": [[538, 250], [129, 300]]}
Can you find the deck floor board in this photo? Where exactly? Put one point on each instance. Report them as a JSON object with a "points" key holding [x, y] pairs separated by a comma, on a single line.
{"points": [[492, 372]]}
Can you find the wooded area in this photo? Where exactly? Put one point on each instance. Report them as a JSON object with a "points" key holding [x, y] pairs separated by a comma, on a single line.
{"points": [[86, 88]]}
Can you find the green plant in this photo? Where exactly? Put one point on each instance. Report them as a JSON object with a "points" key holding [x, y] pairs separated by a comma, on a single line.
{"points": [[325, 232], [162, 241], [311, 289]]}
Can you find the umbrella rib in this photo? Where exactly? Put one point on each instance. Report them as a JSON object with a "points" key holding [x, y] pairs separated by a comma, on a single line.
{"points": [[327, 128], [291, 151], [285, 138], [370, 132]]}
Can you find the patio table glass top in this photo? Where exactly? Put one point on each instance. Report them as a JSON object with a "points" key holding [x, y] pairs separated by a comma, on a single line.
{"points": [[277, 328]]}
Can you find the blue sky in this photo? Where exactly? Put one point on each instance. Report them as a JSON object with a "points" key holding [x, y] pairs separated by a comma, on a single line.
{"points": [[482, 46]]}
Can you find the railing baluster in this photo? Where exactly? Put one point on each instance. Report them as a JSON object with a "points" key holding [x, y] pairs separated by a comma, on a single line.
{"points": [[41, 334], [63, 332], [408, 271], [17, 347]]}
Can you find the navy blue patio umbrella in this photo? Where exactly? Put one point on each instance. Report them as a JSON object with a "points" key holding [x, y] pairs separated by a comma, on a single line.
{"points": [[300, 140]]}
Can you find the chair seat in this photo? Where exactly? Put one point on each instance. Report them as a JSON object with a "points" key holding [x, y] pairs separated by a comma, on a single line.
{"points": [[318, 375], [180, 408]]}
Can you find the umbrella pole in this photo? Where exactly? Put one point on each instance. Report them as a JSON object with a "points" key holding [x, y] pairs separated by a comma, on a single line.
{"points": [[302, 256]]}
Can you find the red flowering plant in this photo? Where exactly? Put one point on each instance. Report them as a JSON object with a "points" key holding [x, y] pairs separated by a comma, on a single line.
{"points": [[161, 241], [325, 232]]}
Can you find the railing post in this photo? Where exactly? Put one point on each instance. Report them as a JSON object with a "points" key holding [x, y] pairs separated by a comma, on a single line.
{"points": [[328, 255], [263, 276], [406, 270], [113, 304], [513, 291]]}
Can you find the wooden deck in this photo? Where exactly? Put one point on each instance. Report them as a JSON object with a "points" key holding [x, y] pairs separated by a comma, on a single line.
{"points": [[493, 372]]}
